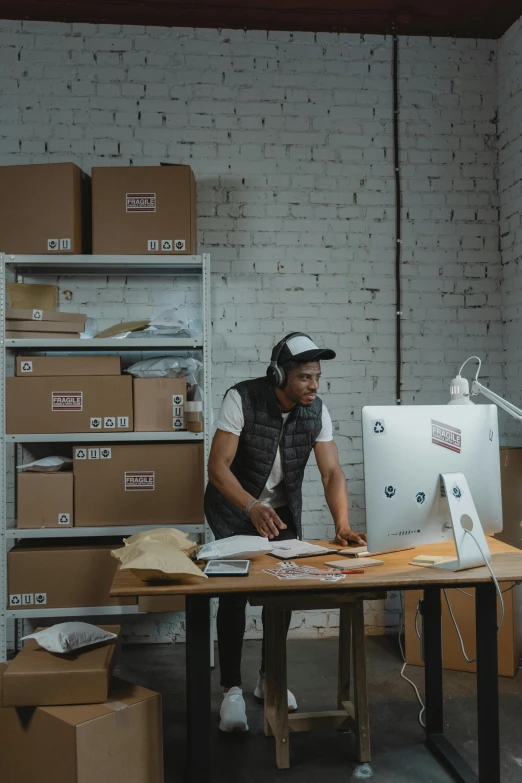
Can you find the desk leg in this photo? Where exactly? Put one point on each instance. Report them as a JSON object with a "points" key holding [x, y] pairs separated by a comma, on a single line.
{"points": [[197, 608], [433, 661], [487, 684]]}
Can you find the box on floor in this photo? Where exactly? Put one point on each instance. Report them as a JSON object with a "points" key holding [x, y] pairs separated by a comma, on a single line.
{"points": [[44, 499], [144, 209], [159, 404], [69, 404], [51, 573], [36, 677], [150, 484], [120, 740], [45, 208], [68, 365]]}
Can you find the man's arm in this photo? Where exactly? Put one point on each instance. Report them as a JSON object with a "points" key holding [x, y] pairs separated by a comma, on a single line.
{"points": [[222, 453], [335, 492]]}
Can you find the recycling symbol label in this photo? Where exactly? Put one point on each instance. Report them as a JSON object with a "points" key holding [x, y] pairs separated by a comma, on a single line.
{"points": [[37, 315], [27, 366], [109, 422], [177, 424], [64, 519], [457, 492], [389, 491], [166, 244], [81, 454], [96, 423], [378, 427], [420, 497], [40, 598], [15, 599]]}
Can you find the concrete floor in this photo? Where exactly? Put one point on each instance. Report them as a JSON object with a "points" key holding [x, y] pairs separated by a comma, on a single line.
{"points": [[399, 755]]}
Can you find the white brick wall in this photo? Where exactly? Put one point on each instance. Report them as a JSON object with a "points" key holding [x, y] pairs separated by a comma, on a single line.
{"points": [[290, 138], [510, 191]]}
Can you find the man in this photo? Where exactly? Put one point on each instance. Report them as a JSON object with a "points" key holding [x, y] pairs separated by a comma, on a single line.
{"points": [[266, 431]]}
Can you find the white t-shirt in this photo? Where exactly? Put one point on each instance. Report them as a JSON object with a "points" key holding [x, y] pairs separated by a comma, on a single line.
{"points": [[231, 419]]}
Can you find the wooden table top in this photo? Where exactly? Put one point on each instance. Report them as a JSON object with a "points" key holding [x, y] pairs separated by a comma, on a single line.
{"points": [[396, 572]]}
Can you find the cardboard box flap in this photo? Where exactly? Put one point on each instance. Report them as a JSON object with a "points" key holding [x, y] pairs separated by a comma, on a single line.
{"points": [[122, 694], [126, 326], [34, 659]]}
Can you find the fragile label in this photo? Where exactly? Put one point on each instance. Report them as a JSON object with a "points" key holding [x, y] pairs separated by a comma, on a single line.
{"points": [[179, 244], [446, 436], [105, 453], [64, 519], [52, 244], [177, 399], [139, 480], [26, 366], [140, 202], [37, 315], [67, 401], [40, 598], [96, 423]]}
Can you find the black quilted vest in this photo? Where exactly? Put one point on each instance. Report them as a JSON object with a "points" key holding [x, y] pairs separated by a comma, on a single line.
{"points": [[256, 453]]}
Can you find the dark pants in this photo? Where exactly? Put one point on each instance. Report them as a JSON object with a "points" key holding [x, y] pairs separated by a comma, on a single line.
{"points": [[231, 620]]}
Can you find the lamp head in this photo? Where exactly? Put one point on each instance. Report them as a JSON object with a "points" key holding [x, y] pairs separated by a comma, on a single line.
{"points": [[459, 391]]}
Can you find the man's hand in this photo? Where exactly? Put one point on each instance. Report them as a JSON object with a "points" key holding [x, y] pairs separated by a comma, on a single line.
{"points": [[345, 536], [266, 521]]}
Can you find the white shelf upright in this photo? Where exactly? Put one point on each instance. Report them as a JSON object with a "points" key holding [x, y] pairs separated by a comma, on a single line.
{"points": [[16, 268]]}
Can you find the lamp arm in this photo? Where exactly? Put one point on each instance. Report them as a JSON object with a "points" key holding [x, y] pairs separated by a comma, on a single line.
{"points": [[477, 388]]}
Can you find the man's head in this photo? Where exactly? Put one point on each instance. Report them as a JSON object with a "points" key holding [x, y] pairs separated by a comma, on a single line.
{"points": [[295, 368]]}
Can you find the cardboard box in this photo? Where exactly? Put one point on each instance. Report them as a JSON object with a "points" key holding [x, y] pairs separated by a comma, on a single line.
{"points": [[42, 335], [159, 404], [52, 573], [120, 740], [44, 326], [25, 314], [37, 677], [69, 404], [68, 365], [44, 208], [144, 209], [44, 499], [511, 479], [195, 426], [509, 636], [161, 603], [32, 296], [153, 484]]}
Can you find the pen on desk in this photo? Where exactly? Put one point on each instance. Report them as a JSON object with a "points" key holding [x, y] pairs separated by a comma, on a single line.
{"points": [[348, 571]]}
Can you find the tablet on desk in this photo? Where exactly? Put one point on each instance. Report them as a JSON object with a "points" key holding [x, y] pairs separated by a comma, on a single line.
{"points": [[227, 568]]}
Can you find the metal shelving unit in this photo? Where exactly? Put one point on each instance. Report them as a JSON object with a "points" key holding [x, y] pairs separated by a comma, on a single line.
{"points": [[16, 268]]}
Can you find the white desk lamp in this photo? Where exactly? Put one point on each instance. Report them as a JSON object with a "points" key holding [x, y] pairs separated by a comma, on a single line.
{"points": [[460, 393]]}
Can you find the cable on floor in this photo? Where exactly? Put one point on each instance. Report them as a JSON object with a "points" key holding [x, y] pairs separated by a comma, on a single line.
{"points": [[419, 699]]}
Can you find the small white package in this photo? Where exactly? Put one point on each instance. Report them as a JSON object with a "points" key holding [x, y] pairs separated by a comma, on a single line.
{"points": [[46, 465], [235, 548], [66, 637]]}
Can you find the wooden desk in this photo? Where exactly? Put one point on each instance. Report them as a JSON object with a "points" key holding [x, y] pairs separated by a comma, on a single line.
{"points": [[396, 573]]}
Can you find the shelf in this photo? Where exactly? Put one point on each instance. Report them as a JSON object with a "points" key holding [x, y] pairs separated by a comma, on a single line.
{"points": [[70, 611], [127, 265], [105, 343], [102, 437], [85, 532]]}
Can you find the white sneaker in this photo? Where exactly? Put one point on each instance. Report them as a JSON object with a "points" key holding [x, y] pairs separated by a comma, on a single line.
{"points": [[259, 693], [233, 711]]}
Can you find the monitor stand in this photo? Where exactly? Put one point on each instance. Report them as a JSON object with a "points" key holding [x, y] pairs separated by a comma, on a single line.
{"points": [[464, 517]]}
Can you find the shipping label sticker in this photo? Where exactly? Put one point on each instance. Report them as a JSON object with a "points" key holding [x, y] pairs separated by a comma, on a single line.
{"points": [[27, 599], [177, 424], [105, 453], [96, 423], [26, 366], [166, 244], [80, 454], [140, 202], [139, 480], [65, 244], [177, 399], [64, 519], [109, 422], [446, 436], [179, 244], [153, 244], [40, 599], [94, 453], [37, 315], [52, 244], [67, 401], [177, 411], [15, 599], [123, 421]]}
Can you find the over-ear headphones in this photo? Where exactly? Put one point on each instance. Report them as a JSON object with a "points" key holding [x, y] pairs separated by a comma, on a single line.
{"points": [[276, 374]]}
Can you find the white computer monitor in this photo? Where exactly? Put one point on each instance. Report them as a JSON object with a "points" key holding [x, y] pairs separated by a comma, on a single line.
{"points": [[406, 448]]}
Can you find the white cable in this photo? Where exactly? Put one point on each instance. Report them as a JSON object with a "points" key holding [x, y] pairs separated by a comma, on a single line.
{"points": [[421, 713], [479, 360], [494, 578], [469, 660]]}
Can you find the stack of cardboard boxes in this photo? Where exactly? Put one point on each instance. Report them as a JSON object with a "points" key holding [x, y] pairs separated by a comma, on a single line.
{"points": [[64, 718]]}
